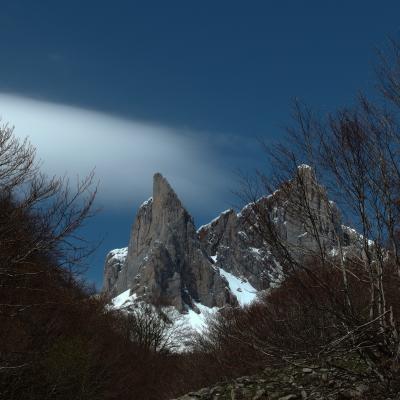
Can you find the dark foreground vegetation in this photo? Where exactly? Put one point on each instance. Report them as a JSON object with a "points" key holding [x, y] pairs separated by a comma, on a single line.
{"points": [[58, 340]]}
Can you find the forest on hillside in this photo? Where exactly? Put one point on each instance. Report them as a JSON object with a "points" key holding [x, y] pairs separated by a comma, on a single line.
{"points": [[61, 340]]}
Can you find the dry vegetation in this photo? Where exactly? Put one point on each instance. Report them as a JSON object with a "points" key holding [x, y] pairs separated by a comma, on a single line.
{"points": [[58, 341]]}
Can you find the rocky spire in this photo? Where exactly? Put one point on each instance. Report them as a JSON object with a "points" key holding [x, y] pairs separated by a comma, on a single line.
{"points": [[231, 241], [165, 261]]}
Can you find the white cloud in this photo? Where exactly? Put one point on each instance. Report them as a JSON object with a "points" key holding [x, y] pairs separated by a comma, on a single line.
{"points": [[125, 153]]}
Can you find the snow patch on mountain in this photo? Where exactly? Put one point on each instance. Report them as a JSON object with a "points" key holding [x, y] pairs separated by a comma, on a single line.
{"points": [[240, 287], [119, 254], [193, 320], [182, 325], [124, 299], [147, 202]]}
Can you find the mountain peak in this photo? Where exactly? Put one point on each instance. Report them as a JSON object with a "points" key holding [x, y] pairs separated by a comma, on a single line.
{"points": [[307, 173], [168, 261], [162, 190], [165, 261]]}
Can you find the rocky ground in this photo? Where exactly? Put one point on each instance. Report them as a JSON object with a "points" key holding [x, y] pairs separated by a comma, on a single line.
{"points": [[296, 382]]}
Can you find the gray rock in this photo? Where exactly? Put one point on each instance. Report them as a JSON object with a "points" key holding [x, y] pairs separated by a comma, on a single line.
{"points": [[114, 265], [165, 261], [289, 397], [231, 241], [273, 384], [260, 394], [362, 388]]}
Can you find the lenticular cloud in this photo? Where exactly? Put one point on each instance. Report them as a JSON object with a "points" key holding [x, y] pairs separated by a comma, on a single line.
{"points": [[124, 153]]}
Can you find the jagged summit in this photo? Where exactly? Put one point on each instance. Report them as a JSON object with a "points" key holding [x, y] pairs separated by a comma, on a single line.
{"points": [[163, 192], [307, 173], [223, 262], [165, 261], [167, 209], [161, 187]]}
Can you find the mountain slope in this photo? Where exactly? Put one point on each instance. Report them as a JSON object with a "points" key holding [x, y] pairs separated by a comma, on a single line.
{"points": [[224, 262]]}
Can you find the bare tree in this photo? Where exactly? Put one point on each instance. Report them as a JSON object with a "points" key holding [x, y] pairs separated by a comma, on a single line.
{"points": [[152, 327], [353, 158], [40, 249]]}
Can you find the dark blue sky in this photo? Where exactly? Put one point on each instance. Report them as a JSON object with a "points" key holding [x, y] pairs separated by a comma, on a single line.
{"points": [[225, 69]]}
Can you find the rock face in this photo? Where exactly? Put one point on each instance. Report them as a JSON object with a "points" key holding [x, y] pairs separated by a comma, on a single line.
{"points": [[115, 262], [234, 247], [231, 241], [165, 261]]}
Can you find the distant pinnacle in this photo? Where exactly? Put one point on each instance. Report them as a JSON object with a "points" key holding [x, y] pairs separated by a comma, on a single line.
{"points": [[162, 190]]}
